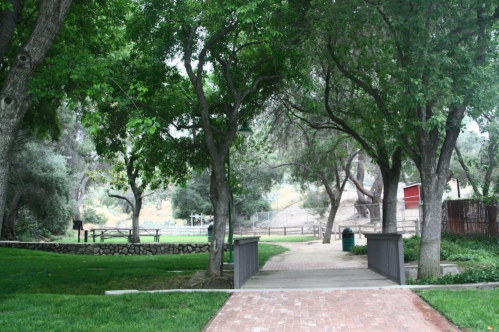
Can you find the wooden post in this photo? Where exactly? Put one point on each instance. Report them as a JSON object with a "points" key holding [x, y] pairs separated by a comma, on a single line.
{"points": [[284, 230], [360, 231], [320, 230], [269, 231], [301, 230]]}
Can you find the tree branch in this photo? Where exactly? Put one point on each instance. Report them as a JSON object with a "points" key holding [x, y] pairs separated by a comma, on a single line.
{"points": [[123, 198]]}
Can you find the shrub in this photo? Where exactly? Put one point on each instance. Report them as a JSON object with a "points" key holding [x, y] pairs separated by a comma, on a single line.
{"points": [[92, 217], [471, 275], [411, 249], [359, 250]]}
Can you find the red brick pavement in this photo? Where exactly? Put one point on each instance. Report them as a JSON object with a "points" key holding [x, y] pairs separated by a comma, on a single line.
{"points": [[383, 310]]}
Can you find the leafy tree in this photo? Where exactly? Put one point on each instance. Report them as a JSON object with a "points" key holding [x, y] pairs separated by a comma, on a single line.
{"points": [[41, 185], [420, 66], [92, 217], [38, 71], [370, 204], [232, 57], [15, 97], [320, 157], [193, 198], [250, 185], [478, 157]]}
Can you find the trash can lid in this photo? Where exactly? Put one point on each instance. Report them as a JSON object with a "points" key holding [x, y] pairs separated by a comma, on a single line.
{"points": [[347, 230]]}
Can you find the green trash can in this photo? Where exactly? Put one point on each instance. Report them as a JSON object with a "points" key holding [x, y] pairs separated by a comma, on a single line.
{"points": [[210, 232], [348, 238]]}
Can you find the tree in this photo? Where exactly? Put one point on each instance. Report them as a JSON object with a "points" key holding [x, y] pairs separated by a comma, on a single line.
{"points": [[480, 159], [364, 204], [39, 183], [322, 157], [15, 98], [421, 66]]}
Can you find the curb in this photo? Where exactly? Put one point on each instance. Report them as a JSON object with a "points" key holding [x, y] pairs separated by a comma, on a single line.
{"points": [[489, 285]]}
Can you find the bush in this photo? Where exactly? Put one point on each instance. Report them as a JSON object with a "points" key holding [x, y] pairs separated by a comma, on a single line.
{"points": [[411, 249], [469, 276], [359, 250], [92, 217]]}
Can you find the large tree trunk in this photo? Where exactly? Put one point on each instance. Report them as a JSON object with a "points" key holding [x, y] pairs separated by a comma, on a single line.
{"points": [[429, 252], [432, 161], [390, 184], [14, 94], [219, 196]]}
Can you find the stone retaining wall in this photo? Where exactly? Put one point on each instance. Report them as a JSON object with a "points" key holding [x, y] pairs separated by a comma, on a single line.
{"points": [[115, 249]]}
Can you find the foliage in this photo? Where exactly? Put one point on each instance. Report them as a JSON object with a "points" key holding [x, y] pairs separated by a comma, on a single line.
{"points": [[91, 216], [27, 228], [359, 250], [468, 276], [411, 248], [194, 198], [250, 185], [42, 178], [315, 199], [471, 309]]}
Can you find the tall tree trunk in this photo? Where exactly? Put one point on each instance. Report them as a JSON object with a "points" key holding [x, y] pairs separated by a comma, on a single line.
{"points": [[433, 160], [135, 220], [14, 94], [330, 222], [429, 252], [360, 204], [376, 199], [390, 184], [219, 196]]}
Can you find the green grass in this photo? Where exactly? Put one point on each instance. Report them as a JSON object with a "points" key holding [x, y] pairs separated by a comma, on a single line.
{"points": [[28, 271], [190, 239], [130, 312], [470, 310], [42, 291]]}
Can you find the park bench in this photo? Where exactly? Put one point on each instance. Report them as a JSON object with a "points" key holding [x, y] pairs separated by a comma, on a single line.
{"points": [[108, 233]]}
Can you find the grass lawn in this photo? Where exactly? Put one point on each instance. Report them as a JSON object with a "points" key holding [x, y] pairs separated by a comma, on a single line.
{"points": [[42, 291], [192, 239], [470, 310]]}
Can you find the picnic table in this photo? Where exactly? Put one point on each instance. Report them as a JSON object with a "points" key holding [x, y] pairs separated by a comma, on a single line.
{"points": [[109, 233]]}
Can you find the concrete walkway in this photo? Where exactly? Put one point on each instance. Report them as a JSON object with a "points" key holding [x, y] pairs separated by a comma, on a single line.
{"points": [[291, 294]]}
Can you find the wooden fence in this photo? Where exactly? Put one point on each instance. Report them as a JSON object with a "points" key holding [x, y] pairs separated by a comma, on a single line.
{"points": [[412, 228], [285, 231], [467, 216]]}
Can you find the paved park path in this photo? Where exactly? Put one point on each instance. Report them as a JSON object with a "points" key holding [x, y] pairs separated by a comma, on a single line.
{"points": [[304, 290]]}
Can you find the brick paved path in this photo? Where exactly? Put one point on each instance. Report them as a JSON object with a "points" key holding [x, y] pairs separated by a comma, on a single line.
{"points": [[383, 310]]}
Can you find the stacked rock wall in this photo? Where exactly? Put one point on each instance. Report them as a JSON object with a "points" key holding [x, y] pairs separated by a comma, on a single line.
{"points": [[116, 249]]}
